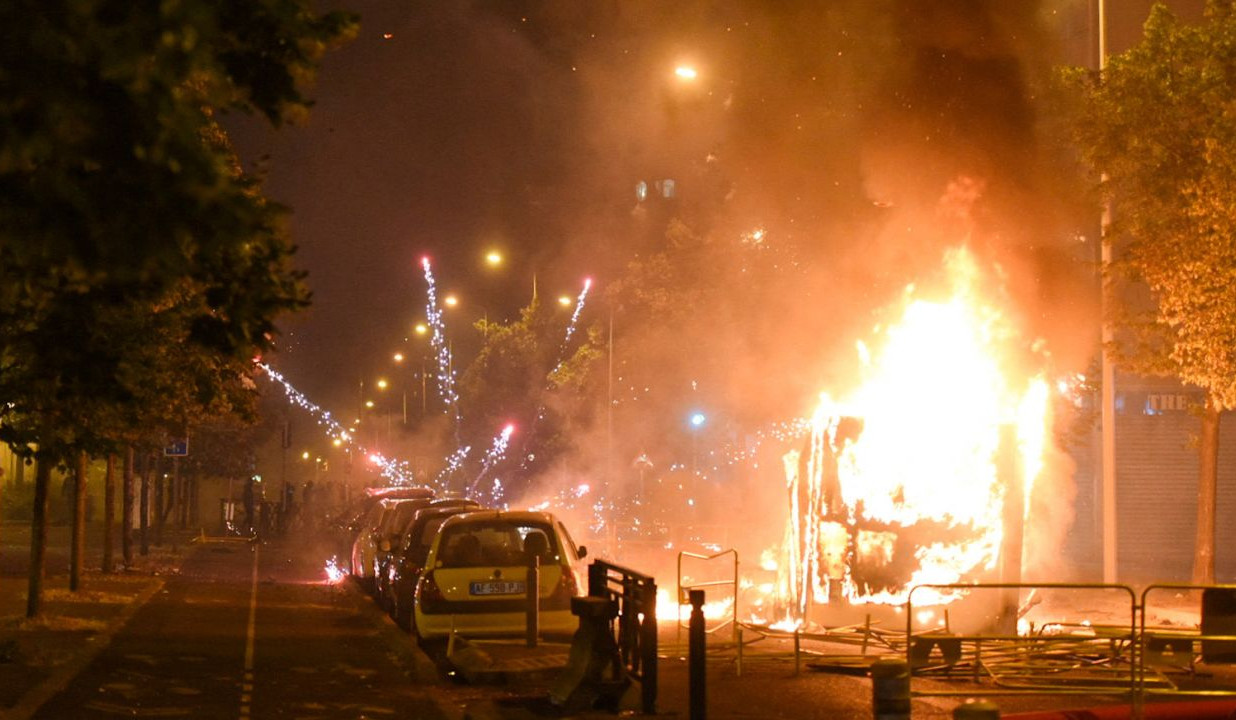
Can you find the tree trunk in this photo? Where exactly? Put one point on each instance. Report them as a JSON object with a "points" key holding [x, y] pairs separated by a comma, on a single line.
{"points": [[126, 513], [38, 537], [1207, 495], [109, 512], [78, 548], [144, 509]]}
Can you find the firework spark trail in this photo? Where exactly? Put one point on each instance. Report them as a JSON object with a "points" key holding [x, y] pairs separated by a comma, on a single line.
{"points": [[497, 451], [446, 375], [579, 307], [396, 471], [566, 340], [453, 463]]}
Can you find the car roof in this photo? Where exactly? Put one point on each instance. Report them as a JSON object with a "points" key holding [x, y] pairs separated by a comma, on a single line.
{"points": [[407, 492], [528, 516]]}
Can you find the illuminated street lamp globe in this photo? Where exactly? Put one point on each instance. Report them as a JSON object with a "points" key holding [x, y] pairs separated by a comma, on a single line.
{"points": [[421, 329], [450, 301], [382, 383], [398, 357], [697, 419], [564, 300], [686, 72], [493, 258]]}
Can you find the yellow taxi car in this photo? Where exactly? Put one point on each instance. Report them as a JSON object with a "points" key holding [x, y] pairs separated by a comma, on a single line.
{"points": [[476, 572]]}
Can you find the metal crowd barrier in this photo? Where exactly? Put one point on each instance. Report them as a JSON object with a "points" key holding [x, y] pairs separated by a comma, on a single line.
{"points": [[683, 596], [1102, 663], [1160, 646]]}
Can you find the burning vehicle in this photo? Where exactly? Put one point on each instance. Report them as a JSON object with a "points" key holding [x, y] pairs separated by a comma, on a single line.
{"points": [[924, 473]]}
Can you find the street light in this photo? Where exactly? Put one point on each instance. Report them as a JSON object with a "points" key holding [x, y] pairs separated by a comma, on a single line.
{"points": [[564, 300], [450, 301], [382, 383], [697, 420], [398, 357], [686, 72], [493, 258]]}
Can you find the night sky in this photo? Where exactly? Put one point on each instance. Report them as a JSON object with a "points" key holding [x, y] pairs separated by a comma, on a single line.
{"points": [[453, 128]]}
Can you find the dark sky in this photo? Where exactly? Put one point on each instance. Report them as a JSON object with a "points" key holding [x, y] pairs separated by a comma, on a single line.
{"points": [[449, 128]]}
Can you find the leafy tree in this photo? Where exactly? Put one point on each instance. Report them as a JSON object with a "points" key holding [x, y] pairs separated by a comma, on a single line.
{"points": [[1160, 122], [524, 374], [139, 270]]}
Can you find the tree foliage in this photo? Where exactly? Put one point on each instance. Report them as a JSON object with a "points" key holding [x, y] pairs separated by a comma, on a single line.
{"points": [[526, 374], [1160, 122], [139, 268]]}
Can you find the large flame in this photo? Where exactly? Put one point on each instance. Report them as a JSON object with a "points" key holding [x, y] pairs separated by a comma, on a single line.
{"points": [[902, 482]]}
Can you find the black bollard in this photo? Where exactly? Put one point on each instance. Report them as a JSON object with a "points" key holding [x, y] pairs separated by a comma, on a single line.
{"points": [[890, 689], [533, 596], [695, 655]]}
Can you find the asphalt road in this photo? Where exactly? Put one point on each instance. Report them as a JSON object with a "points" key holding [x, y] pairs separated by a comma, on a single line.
{"points": [[245, 631]]}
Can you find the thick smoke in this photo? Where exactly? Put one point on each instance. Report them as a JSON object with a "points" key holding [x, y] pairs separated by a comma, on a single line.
{"points": [[862, 139]]}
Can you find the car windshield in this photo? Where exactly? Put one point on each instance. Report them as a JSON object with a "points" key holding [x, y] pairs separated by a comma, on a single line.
{"points": [[496, 542]]}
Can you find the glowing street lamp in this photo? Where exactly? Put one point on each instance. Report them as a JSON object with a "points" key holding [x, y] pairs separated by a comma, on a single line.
{"points": [[382, 384], [397, 357], [564, 300], [686, 72], [493, 258], [421, 329], [369, 403], [697, 420], [450, 301]]}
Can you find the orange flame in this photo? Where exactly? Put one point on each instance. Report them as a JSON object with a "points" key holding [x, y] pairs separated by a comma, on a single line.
{"points": [[907, 462]]}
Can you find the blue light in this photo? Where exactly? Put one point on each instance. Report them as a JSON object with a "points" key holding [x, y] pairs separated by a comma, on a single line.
{"points": [[698, 419]]}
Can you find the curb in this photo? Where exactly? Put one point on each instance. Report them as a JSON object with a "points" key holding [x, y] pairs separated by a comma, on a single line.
{"points": [[59, 680]]}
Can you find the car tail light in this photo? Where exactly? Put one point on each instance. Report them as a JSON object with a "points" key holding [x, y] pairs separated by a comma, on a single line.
{"points": [[568, 586], [428, 590]]}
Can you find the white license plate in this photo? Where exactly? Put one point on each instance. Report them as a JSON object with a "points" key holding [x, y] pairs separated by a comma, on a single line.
{"points": [[498, 587]]}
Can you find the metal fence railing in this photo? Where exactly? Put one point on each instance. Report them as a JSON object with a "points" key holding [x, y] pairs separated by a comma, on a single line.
{"points": [[636, 597], [1089, 660]]}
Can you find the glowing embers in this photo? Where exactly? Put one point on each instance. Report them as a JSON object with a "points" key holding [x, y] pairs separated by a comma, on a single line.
{"points": [[899, 484], [334, 573]]}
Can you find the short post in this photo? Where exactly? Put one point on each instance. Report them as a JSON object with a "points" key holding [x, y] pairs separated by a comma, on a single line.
{"points": [[890, 689], [695, 656], [533, 597], [598, 579], [976, 710], [648, 651], [797, 648]]}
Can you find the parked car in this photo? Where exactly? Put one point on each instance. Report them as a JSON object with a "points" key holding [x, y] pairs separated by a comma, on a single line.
{"points": [[476, 572], [375, 526], [392, 544], [409, 561], [346, 526]]}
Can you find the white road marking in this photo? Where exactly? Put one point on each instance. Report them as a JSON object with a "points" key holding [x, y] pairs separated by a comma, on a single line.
{"points": [[245, 697]]}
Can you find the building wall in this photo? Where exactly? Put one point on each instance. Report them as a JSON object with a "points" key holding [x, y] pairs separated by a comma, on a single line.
{"points": [[1156, 487]]}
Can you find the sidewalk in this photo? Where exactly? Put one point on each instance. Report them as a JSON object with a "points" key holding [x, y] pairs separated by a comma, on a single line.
{"points": [[38, 655]]}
